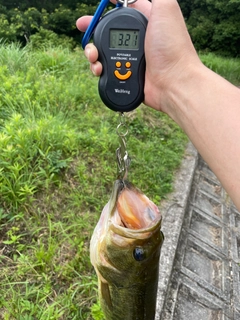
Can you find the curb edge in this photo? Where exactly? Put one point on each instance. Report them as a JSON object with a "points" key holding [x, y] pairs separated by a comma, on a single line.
{"points": [[173, 211]]}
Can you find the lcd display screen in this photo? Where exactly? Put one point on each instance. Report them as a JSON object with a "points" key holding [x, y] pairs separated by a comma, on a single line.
{"points": [[124, 39]]}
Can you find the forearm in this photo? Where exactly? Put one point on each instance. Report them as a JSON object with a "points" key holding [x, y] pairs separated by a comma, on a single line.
{"points": [[207, 107]]}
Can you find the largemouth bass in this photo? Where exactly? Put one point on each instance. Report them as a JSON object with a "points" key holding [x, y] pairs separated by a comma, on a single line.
{"points": [[124, 250]]}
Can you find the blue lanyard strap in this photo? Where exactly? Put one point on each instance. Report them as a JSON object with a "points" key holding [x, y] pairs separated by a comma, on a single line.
{"points": [[103, 4]]}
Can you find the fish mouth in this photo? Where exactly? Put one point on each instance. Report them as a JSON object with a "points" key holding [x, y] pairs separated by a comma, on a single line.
{"points": [[133, 213]]}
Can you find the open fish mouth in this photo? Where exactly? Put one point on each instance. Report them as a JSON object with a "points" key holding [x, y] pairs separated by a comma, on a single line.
{"points": [[132, 210]]}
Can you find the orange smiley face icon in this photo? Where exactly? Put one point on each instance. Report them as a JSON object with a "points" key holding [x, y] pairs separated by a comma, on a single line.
{"points": [[121, 76]]}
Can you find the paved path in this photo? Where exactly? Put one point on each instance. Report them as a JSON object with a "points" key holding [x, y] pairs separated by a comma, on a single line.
{"points": [[200, 261]]}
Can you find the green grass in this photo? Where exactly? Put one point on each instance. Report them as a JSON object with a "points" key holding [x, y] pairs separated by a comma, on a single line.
{"points": [[57, 167], [228, 68]]}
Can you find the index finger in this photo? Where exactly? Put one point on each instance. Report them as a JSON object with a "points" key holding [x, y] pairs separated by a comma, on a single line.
{"points": [[83, 22]]}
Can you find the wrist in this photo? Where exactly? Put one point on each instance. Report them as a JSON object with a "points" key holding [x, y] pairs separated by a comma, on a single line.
{"points": [[181, 95], [178, 95]]}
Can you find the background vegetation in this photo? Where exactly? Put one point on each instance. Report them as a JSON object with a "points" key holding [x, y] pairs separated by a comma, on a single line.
{"points": [[214, 25], [57, 168]]}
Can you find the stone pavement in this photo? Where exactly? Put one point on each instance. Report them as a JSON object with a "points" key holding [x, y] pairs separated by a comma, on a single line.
{"points": [[200, 260]]}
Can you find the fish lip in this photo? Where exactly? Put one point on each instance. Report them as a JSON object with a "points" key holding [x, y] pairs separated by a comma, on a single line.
{"points": [[135, 233]]}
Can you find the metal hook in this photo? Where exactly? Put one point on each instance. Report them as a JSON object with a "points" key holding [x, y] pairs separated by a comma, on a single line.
{"points": [[121, 125], [126, 2], [123, 159]]}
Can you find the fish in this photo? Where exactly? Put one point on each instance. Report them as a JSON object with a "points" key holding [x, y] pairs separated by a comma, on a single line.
{"points": [[124, 250]]}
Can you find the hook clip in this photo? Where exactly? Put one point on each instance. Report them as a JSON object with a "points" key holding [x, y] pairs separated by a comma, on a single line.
{"points": [[97, 16], [123, 159]]}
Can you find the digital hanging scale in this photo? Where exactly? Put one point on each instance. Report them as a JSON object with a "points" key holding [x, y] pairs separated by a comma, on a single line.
{"points": [[119, 37]]}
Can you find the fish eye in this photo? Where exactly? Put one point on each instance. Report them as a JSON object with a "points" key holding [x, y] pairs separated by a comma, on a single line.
{"points": [[139, 254]]}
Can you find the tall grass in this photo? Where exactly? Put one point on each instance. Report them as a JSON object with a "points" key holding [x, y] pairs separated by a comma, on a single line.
{"points": [[57, 167], [228, 68]]}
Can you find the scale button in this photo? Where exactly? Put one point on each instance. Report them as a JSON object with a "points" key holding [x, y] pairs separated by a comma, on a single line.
{"points": [[123, 76], [128, 64], [118, 64]]}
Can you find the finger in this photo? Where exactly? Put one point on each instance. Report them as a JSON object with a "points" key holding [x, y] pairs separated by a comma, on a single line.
{"points": [[83, 22], [91, 53], [144, 6], [96, 68]]}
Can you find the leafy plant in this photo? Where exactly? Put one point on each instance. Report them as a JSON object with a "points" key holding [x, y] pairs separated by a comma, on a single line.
{"points": [[213, 25], [45, 39], [32, 154]]}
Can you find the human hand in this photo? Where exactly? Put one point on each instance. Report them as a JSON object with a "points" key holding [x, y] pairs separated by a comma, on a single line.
{"points": [[170, 55]]}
